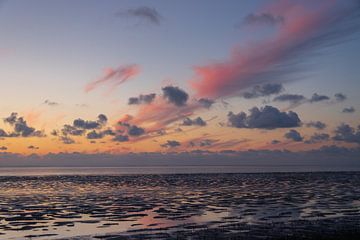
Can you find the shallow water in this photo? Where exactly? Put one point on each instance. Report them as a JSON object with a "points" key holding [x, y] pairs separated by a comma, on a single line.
{"points": [[63, 206]]}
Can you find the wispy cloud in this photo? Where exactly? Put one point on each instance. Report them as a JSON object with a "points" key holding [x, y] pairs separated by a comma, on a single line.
{"points": [[114, 77], [143, 13], [263, 19], [308, 29]]}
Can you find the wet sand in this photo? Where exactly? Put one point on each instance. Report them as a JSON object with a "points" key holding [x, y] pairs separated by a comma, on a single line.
{"points": [[182, 206]]}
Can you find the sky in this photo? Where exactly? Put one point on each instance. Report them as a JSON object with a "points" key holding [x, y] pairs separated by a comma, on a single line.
{"points": [[179, 77]]}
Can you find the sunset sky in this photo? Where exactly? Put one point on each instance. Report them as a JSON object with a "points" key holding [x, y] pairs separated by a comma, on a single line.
{"points": [[114, 77]]}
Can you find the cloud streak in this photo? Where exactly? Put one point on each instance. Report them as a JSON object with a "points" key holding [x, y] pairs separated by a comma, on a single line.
{"points": [[148, 14], [114, 77], [308, 29]]}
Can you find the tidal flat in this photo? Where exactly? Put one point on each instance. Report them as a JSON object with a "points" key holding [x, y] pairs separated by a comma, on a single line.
{"points": [[181, 206]]}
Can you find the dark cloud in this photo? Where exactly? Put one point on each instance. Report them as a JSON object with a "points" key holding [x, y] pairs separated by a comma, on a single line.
{"points": [[81, 127], [145, 13], [263, 19], [293, 99], [206, 102], [11, 119], [348, 110], [318, 137], [121, 138], [294, 135], [71, 130], [274, 142], [264, 90], [202, 143], [54, 132], [267, 117], [83, 124], [50, 103], [348, 134], [3, 148], [190, 122], [102, 119], [94, 135], [171, 144], [33, 147], [142, 99], [67, 140], [21, 129], [3, 133], [135, 131], [206, 142], [175, 95], [101, 134], [318, 98], [88, 125], [317, 124], [177, 130], [132, 130], [339, 97]]}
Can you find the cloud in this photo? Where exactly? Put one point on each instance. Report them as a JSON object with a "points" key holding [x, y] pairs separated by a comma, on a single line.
{"points": [[135, 131], [100, 134], [348, 110], [317, 124], [264, 90], [102, 119], [171, 144], [196, 122], [263, 19], [80, 127], [148, 14], [175, 95], [115, 77], [345, 133], [318, 137], [318, 98], [339, 97], [121, 138], [205, 102], [50, 103], [11, 119], [274, 142], [293, 99], [160, 114], [67, 140], [21, 128], [84, 124], [142, 99], [309, 28], [80, 123], [71, 130], [294, 135], [132, 130], [267, 117], [202, 142], [3, 148], [33, 147]]}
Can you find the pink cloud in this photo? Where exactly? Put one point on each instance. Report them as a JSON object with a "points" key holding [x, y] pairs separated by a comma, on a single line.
{"points": [[115, 77], [307, 28]]}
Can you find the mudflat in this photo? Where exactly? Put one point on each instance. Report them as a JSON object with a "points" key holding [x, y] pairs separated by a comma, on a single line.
{"points": [[181, 206]]}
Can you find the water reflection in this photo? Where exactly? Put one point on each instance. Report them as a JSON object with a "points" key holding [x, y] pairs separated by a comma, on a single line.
{"points": [[50, 207]]}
